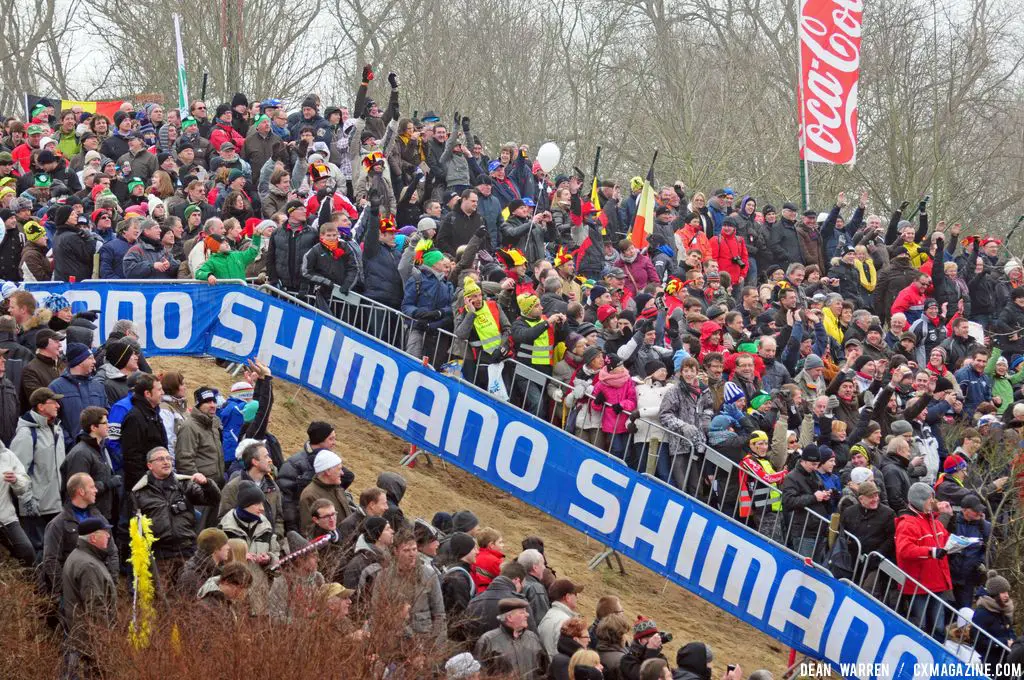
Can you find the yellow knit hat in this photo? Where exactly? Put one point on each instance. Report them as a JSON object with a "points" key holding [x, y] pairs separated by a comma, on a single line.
{"points": [[526, 302], [469, 287]]}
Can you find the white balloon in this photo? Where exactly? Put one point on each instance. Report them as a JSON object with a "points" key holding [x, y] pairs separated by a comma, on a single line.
{"points": [[548, 156]]}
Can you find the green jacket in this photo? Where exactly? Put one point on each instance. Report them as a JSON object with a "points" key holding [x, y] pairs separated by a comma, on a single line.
{"points": [[1002, 387], [230, 265], [68, 144]]}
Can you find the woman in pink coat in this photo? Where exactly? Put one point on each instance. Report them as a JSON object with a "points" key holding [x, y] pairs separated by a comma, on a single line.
{"points": [[615, 394]]}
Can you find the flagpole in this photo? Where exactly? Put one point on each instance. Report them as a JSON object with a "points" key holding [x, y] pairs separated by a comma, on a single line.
{"points": [[805, 185], [182, 79]]}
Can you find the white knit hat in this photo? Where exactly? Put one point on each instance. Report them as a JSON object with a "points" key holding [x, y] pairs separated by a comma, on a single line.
{"points": [[325, 460], [461, 666], [860, 475]]}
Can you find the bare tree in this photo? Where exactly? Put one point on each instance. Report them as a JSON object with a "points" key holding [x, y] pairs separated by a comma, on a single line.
{"points": [[33, 51]]}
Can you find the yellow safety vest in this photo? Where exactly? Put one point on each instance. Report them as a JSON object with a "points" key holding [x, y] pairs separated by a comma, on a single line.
{"points": [[488, 327], [762, 494], [541, 353]]}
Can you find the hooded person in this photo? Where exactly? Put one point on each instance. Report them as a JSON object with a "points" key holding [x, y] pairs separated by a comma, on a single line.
{"points": [[921, 540], [394, 486], [693, 662]]}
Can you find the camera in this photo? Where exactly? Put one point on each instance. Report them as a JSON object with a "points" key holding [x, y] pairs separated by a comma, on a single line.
{"points": [[179, 507], [666, 637], [737, 260]]}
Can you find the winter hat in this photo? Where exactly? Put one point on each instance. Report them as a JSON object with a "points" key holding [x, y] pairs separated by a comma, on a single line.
{"points": [[465, 521], [461, 666], [92, 524], [596, 292], [758, 436], [586, 328], [954, 463], [643, 628], [931, 302], [118, 353], [901, 427], [733, 393], [242, 390], [964, 617], [373, 527], [605, 312], [678, 358], [77, 353], [811, 454], [205, 394], [919, 494], [249, 494], [859, 475], [826, 453], [211, 540], [996, 584], [590, 353], [325, 460], [868, 488], [813, 361], [515, 204], [526, 302], [319, 431], [760, 398], [249, 411], [641, 300], [461, 544], [873, 427], [1010, 265], [33, 231], [442, 521], [652, 367], [239, 100]]}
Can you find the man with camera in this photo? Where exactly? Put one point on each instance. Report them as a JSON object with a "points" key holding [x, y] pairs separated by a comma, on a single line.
{"points": [[730, 251], [802, 494], [169, 500], [647, 644]]}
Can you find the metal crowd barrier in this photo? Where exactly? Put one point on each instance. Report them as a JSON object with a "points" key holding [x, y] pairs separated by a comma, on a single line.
{"points": [[885, 581], [701, 472]]}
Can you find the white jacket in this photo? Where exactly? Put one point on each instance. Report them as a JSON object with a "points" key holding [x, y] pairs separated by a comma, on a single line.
{"points": [[550, 627], [648, 404], [22, 486], [40, 448]]}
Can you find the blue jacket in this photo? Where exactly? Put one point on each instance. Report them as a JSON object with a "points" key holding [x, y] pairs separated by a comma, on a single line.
{"points": [[79, 392], [230, 414], [111, 256], [489, 208], [115, 417], [426, 292], [963, 566], [382, 282], [977, 387]]}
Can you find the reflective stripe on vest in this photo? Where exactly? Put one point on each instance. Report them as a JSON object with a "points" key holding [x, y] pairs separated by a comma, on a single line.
{"points": [[539, 355], [763, 495], [488, 328]]}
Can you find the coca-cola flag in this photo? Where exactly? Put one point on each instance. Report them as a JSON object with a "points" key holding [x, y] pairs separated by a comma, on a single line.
{"points": [[829, 68]]}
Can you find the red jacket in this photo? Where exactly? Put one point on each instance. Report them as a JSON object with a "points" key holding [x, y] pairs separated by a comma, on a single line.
{"points": [[487, 567], [910, 299], [916, 534], [223, 133], [723, 249]]}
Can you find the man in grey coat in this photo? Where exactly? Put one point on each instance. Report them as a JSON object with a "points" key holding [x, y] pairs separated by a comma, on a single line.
{"points": [[89, 592], [512, 648]]}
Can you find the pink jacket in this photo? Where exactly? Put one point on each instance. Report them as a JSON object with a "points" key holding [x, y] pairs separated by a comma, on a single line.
{"points": [[624, 396], [639, 273]]}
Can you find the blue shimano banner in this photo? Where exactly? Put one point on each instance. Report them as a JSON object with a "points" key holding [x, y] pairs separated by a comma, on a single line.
{"points": [[701, 550]]}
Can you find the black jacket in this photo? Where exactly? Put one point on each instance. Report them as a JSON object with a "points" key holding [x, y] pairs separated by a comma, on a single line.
{"points": [[141, 430], [784, 243], [636, 654], [798, 497], [559, 668], [86, 457], [321, 268], [10, 410], [73, 253], [873, 528], [456, 229], [284, 256], [482, 611], [169, 503], [897, 480], [10, 254]]}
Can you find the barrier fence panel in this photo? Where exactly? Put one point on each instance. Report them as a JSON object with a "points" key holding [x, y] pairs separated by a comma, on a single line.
{"points": [[699, 470]]}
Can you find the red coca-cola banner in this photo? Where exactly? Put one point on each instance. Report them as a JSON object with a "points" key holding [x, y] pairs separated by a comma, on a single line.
{"points": [[829, 68]]}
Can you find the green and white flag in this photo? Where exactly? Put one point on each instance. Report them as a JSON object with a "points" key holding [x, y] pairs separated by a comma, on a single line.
{"points": [[182, 81]]}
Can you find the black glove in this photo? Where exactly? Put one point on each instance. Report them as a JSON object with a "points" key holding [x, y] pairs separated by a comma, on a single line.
{"points": [[90, 314], [922, 207], [465, 128], [393, 80], [600, 399], [420, 326], [617, 408], [374, 198], [673, 327], [481, 233], [422, 316], [458, 119], [644, 325], [415, 114], [435, 315], [115, 482], [367, 73], [939, 553], [903, 205]]}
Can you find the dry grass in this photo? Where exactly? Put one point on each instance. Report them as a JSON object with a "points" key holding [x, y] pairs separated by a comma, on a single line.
{"points": [[369, 451]]}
